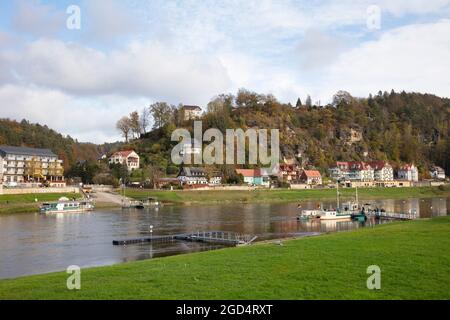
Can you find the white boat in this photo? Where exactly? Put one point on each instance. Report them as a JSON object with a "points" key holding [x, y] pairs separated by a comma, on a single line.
{"points": [[334, 215], [65, 205], [344, 212]]}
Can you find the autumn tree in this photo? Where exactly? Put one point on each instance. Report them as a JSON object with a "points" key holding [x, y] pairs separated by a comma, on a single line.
{"points": [[162, 114], [124, 126], [135, 124]]}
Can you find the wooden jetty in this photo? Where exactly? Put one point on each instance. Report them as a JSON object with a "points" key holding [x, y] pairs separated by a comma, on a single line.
{"points": [[393, 216], [223, 237]]}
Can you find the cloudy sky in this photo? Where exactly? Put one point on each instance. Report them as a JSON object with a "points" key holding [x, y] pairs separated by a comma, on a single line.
{"points": [[130, 53]]}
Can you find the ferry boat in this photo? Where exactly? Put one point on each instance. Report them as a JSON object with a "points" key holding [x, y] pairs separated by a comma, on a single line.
{"points": [[334, 215], [65, 205], [346, 211]]}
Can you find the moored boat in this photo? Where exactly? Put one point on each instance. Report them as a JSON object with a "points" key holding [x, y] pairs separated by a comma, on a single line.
{"points": [[334, 215], [65, 205]]}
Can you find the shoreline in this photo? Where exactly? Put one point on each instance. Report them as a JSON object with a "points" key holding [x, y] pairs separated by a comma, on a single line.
{"points": [[212, 197], [315, 266]]}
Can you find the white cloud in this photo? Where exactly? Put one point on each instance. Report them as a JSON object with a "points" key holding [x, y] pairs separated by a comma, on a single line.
{"points": [[84, 119], [33, 17], [105, 20], [141, 69], [410, 58], [318, 50]]}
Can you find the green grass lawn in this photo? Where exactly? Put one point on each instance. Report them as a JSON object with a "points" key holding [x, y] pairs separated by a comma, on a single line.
{"points": [[413, 256], [284, 195], [25, 203]]}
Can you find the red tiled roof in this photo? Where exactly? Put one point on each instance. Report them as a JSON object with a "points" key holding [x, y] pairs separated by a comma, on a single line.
{"points": [[312, 174], [379, 164], [124, 153], [407, 166], [249, 172]]}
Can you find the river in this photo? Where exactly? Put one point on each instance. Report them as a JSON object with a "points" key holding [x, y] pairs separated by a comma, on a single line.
{"points": [[34, 243]]}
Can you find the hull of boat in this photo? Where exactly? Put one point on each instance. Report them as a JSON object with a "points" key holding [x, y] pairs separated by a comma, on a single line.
{"points": [[337, 217]]}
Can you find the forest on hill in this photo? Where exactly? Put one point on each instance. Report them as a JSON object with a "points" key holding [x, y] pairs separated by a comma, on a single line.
{"points": [[397, 127]]}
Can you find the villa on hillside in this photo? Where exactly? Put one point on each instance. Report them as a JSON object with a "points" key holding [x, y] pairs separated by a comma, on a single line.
{"points": [[129, 158], [408, 172], [21, 166], [311, 177], [191, 112], [255, 177]]}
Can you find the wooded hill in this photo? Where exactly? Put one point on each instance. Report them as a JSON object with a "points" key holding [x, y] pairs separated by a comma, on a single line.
{"points": [[398, 127]]}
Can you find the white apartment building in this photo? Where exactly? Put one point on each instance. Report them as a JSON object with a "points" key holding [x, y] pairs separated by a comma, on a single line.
{"points": [[21, 165], [129, 158], [383, 171], [362, 171], [408, 172]]}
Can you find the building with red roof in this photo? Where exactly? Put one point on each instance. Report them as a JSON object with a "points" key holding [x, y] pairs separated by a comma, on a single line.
{"points": [[129, 158], [311, 177], [254, 177]]}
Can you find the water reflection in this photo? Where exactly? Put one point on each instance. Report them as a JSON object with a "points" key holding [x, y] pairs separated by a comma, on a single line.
{"points": [[33, 243]]}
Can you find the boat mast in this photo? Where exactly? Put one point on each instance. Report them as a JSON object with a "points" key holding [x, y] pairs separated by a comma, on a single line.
{"points": [[337, 195], [357, 200]]}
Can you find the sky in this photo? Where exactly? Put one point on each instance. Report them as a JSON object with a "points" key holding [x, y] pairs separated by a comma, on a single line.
{"points": [[128, 54]]}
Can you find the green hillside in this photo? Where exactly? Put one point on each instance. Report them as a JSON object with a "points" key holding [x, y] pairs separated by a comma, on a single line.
{"points": [[398, 127]]}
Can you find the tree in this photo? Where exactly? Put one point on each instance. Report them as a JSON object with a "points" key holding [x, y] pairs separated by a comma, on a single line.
{"points": [[308, 102], [162, 114], [145, 119], [120, 172], [135, 124], [299, 103], [342, 97], [124, 126]]}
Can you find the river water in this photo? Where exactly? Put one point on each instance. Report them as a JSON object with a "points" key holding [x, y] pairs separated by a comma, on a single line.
{"points": [[34, 243]]}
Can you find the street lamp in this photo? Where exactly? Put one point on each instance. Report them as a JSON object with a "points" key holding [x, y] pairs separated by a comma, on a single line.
{"points": [[151, 232]]}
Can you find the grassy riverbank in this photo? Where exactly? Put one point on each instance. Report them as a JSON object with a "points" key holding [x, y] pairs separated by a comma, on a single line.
{"points": [[284, 195], [25, 203], [413, 257]]}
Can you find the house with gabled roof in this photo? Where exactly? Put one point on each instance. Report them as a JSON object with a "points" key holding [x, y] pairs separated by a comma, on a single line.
{"points": [[311, 177], [129, 158], [191, 112], [408, 172], [255, 177]]}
